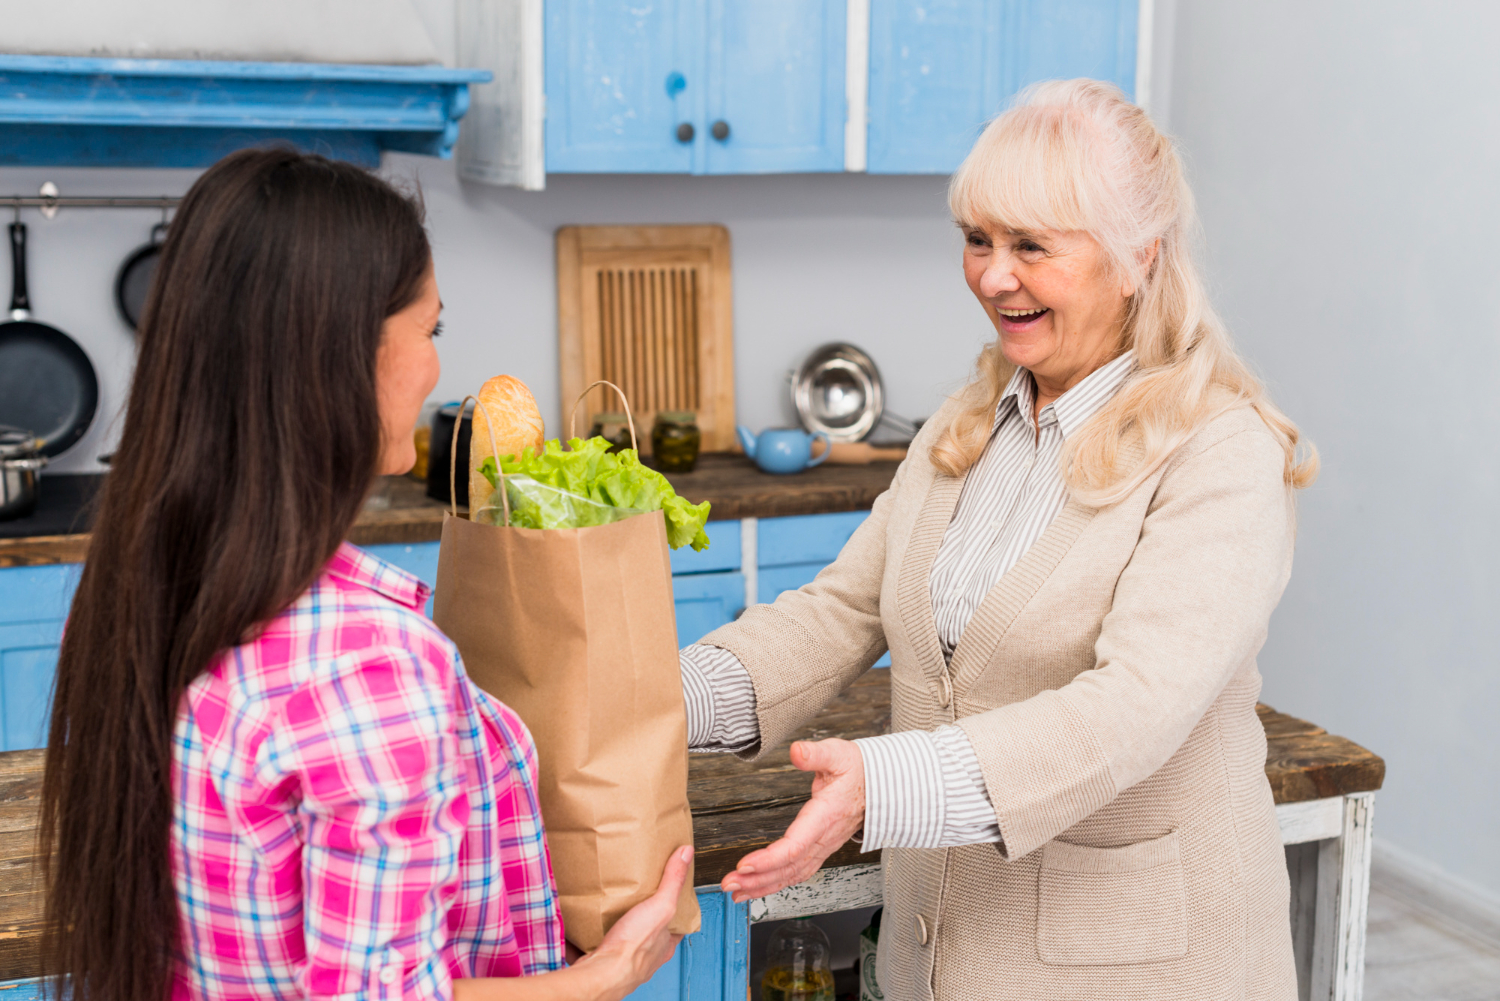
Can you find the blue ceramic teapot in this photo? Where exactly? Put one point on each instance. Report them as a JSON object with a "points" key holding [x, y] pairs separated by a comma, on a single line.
{"points": [[782, 450]]}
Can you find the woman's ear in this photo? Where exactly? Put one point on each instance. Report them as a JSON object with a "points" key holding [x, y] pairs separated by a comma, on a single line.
{"points": [[1146, 259]]}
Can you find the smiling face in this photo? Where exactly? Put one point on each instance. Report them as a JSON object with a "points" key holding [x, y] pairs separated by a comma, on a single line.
{"points": [[1053, 299], [406, 372]]}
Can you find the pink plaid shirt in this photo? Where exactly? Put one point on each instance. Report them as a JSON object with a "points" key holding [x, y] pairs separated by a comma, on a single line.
{"points": [[352, 815]]}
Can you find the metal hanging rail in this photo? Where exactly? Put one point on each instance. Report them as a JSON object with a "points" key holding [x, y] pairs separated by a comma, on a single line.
{"points": [[90, 201]]}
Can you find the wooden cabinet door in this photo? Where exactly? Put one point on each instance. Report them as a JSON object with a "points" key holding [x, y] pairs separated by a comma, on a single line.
{"points": [[941, 69], [621, 77], [776, 81]]}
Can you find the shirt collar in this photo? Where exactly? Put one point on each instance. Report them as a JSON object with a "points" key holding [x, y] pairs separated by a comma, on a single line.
{"points": [[352, 564], [1072, 409]]}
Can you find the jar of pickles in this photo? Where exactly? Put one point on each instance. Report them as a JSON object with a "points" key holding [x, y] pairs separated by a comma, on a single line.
{"points": [[613, 427], [675, 441]]}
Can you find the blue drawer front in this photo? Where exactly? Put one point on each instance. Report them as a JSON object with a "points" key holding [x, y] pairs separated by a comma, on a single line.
{"points": [[28, 668], [32, 594], [723, 552], [706, 601], [807, 538], [710, 965]]}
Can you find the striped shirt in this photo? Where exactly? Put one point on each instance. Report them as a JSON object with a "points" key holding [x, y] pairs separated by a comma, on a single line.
{"points": [[925, 789], [351, 815]]}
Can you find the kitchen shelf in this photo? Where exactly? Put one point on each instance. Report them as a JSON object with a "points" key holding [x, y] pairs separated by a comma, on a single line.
{"points": [[72, 111]]}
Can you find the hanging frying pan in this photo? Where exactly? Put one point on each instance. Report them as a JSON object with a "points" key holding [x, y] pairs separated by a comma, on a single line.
{"points": [[134, 279], [47, 383]]}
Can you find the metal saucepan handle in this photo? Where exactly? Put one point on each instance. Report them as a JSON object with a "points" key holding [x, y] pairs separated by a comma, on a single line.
{"points": [[20, 301], [489, 426], [629, 417]]}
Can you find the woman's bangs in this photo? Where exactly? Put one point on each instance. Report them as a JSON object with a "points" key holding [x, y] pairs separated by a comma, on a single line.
{"points": [[1023, 175]]}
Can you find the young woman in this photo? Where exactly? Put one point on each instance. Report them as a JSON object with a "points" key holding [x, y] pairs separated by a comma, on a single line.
{"points": [[268, 774]]}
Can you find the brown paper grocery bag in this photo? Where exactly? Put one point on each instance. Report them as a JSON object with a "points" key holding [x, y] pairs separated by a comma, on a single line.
{"points": [[576, 631]]}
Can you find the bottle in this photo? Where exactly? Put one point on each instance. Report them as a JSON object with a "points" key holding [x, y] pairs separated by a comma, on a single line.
{"points": [[797, 964], [869, 941], [675, 440]]}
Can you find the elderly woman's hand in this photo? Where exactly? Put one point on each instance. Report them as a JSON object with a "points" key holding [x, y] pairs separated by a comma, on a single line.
{"points": [[835, 812]]}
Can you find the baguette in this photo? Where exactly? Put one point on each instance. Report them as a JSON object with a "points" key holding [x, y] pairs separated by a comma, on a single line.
{"points": [[518, 426]]}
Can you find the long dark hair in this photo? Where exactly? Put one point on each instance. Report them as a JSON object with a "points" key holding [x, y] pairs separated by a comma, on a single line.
{"points": [[251, 438]]}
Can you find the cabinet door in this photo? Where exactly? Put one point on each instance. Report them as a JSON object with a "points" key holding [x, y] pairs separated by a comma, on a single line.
{"points": [[28, 668], [613, 104], [712, 964], [706, 601], [34, 604], [941, 69], [776, 79]]}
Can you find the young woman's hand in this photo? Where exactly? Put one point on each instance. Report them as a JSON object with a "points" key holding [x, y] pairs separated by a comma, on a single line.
{"points": [[639, 942], [634, 949], [835, 812]]}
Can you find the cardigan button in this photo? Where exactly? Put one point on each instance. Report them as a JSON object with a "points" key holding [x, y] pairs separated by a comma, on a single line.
{"points": [[947, 698], [921, 929]]}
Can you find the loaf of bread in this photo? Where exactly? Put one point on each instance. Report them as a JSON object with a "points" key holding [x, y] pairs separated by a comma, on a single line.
{"points": [[518, 425]]}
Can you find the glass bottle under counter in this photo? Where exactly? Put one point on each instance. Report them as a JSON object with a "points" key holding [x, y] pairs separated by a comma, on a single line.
{"points": [[675, 441]]}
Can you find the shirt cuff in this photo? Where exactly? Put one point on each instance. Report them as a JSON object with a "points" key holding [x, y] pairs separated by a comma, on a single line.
{"points": [[925, 790], [720, 700]]}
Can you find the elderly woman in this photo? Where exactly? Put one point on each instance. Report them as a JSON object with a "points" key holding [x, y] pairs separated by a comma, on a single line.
{"points": [[1073, 571]]}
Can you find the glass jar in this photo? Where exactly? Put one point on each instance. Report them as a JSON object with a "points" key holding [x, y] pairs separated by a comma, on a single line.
{"points": [[675, 440], [797, 964], [614, 428]]}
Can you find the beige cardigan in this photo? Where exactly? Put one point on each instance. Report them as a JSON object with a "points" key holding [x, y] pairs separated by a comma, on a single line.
{"points": [[1108, 684]]}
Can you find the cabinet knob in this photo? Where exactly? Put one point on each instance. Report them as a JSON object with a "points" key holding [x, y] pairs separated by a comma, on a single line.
{"points": [[720, 130], [685, 132]]}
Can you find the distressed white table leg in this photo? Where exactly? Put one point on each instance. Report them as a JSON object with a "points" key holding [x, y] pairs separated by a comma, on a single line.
{"points": [[1338, 962]]}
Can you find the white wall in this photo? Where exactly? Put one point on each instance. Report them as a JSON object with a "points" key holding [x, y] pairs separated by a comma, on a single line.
{"points": [[1346, 155], [816, 258]]}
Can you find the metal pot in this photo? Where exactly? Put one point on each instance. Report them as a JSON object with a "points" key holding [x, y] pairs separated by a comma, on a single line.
{"points": [[20, 460]]}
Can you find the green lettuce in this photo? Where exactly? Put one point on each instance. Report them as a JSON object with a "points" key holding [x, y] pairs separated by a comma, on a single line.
{"points": [[589, 485]]}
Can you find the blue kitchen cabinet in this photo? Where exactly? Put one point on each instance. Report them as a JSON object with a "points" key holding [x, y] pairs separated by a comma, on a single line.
{"points": [[712, 964], [790, 552], [941, 69], [776, 81], [622, 78], [706, 601], [34, 604]]}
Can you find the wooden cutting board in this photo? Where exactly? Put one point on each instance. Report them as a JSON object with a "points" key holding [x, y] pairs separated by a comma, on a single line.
{"points": [[650, 309]]}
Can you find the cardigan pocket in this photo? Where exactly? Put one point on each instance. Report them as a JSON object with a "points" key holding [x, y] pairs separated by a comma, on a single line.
{"points": [[1112, 906]]}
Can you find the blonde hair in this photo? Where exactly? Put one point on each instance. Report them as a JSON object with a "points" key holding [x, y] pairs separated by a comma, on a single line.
{"points": [[1076, 155]]}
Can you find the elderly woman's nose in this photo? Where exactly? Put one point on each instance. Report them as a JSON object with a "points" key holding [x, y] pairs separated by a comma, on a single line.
{"points": [[999, 277]]}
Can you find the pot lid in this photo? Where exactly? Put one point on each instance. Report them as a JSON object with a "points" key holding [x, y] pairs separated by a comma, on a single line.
{"points": [[17, 443], [837, 390]]}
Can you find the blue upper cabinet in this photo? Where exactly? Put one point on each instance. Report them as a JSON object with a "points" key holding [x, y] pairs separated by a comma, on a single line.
{"points": [[622, 78], [940, 69], [687, 86], [776, 87]]}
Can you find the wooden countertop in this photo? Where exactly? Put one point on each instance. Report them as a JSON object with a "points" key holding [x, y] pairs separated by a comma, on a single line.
{"points": [[737, 806], [399, 509]]}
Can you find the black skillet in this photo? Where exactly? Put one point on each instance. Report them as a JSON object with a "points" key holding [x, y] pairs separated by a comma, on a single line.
{"points": [[134, 279], [47, 383]]}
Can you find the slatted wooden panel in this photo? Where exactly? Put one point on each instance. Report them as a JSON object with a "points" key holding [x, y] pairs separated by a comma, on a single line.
{"points": [[649, 308]]}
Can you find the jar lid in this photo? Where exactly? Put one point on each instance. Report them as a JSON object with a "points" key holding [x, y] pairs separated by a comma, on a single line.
{"points": [[676, 417], [17, 443]]}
